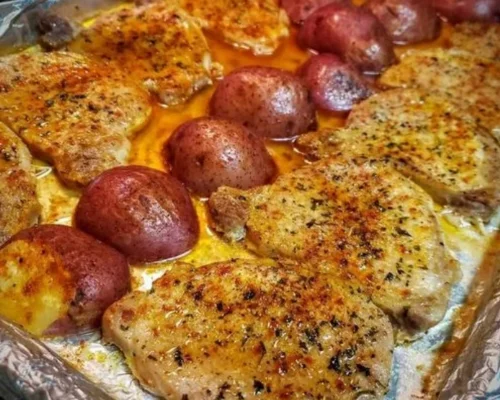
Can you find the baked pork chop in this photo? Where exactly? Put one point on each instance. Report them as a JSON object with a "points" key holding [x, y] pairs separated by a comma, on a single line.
{"points": [[72, 111], [252, 330], [158, 45], [258, 25], [482, 40], [19, 207], [425, 137], [357, 219], [471, 83]]}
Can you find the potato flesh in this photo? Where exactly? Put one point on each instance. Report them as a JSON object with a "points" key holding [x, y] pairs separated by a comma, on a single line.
{"points": [[35, 289]]}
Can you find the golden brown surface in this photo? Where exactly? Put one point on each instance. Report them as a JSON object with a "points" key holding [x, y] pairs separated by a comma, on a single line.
{"points": [[472, 83], [157, 45], [482, 40], [252, 329], [19, 207], [368, 222], [426, 138], [258, 25], [71, 111], [35, 287]]}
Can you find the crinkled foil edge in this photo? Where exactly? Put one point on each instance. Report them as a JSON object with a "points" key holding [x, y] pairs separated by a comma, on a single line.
{"points": [[29, 370]]}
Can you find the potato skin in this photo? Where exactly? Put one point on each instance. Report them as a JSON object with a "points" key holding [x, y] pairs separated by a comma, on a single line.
{"points": [[299, 10], [206, 153], [269, 101], [350, 32], [333, 84], [456, 11], [406, 21], [100, 274], [144, 213]]}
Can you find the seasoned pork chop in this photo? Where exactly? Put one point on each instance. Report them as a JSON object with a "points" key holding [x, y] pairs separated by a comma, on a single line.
{"points": [[19, 206], [158, 45], [252, 330], [482, 40], [456, 160], [72, 111], [369, 223], [254, 24], [471, 83], [258, 25]]}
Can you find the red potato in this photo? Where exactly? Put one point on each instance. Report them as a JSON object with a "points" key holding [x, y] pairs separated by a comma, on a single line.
{"points": [[406, 21], [60, 280], [333, 84], [207, 153], [456, 11], [299, 10], [270, 102], [146, 214], [353, 33]]}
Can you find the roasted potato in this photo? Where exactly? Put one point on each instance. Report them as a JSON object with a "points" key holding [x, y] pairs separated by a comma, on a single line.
{"points": [[333, 84], [57, 280], [299, 10], [144, 213], [406, 21], [353, 33], [207, 153], [468, 10], [270, 102]]}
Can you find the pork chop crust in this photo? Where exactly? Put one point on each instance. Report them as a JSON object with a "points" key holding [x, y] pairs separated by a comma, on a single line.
{"points": [[158, 45], [471, 83], [359, 220], [482, 40], [426, 138], [258, 25], [253, 329], [71, 111], [19, 207]]}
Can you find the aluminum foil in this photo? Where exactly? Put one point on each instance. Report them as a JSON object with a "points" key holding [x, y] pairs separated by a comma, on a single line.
{"points": [[476, 372], [29, 370], [25, 363]]}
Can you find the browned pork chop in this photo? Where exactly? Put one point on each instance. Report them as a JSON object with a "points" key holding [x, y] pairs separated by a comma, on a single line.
{"points": [[258, 25], [471, 83], [482, 40], [158, 45], [371, 225], [72, 111], [19, 207], [424, 135], [252, 330]]}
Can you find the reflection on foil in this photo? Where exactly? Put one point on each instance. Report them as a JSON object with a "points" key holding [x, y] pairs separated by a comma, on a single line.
{"points": [[29, 370], [476, 372]]}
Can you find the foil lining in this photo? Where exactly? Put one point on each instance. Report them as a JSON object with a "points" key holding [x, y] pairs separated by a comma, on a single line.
{"points": [[29, 370], [476, 372], [27, 365]]}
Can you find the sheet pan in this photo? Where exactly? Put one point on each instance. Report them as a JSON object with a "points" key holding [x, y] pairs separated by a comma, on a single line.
{"points": [[472, 372]]}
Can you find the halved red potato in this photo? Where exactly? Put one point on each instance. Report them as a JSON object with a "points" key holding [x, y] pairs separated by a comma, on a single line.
{"points": [[271, 102], [144, 213], [206, 153], [352, 33], [406, 21], [333, 84], [57, 280], [468, 10], [299, 10]]}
